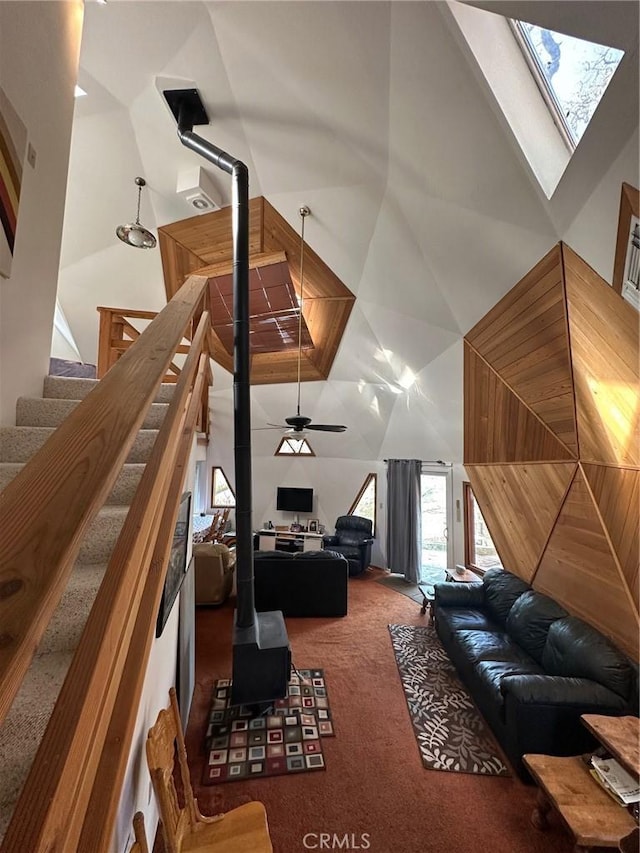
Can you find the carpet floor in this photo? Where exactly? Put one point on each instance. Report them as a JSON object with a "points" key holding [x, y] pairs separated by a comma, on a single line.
{"points": [[449, 729], [374, 784]]}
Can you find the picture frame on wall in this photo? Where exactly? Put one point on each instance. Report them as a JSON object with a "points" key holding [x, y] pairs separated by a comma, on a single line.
{"points": [[626, 269], [177, 562], [314, 525], [13, 144]]}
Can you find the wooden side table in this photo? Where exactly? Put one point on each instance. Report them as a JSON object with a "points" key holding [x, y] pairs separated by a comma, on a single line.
{"points": [[589, 813]]}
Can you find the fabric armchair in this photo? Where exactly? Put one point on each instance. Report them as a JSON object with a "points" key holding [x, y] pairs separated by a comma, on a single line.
{"points": [[353, 538]]}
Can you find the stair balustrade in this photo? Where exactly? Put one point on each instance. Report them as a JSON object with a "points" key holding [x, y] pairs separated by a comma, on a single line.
{"points": [[71, 795]]}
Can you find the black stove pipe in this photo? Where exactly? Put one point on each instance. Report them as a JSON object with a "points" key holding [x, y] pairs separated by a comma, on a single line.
{"points": [[246, 615]]}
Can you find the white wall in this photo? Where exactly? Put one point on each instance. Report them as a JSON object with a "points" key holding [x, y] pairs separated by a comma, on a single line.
{"points": [[39, 49], [137, 793]]}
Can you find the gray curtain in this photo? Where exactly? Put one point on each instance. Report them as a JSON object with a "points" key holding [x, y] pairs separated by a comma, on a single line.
{"points": [[404, 518]]}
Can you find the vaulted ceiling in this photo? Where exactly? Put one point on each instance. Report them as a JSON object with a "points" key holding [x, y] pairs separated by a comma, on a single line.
{"points": [[374, 115]]}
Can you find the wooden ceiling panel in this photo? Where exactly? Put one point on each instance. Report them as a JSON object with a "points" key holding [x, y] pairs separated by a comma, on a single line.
{"points": [[520, 504], [524, 338], [604, 347], [177, 263], [617, 495], [579, 571], [204, 244], [498, 427], [210, 236]]}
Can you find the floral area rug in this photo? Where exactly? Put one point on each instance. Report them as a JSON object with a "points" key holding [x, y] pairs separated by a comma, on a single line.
{"points": [[449, 729], [285, 739]]}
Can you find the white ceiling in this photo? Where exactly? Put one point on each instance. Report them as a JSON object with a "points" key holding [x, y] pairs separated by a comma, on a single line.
{"points": [[371, 113]]}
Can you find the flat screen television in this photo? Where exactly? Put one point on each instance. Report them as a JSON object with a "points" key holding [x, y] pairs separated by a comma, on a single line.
{"points": [[294, 500]]}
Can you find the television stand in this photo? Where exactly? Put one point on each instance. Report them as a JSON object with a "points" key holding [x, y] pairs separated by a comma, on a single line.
{"points": [[285, 540]]}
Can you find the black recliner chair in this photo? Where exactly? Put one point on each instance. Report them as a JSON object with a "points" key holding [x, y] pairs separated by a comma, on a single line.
{"points": [[353, 538]]}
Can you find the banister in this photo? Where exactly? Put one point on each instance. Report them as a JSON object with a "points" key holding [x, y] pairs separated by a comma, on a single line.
{"points": [[48, 506], [51, 808], [102, 809]]}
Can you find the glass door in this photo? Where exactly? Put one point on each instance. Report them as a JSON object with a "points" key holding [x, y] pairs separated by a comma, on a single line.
{"points": [[437, 516]]}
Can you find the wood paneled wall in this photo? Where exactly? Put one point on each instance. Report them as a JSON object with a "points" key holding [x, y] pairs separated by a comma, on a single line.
{"points": [[552, 439], [204, 244]]}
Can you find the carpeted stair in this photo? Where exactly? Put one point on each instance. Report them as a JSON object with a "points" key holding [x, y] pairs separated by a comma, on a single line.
{"points": [[36, 419]]}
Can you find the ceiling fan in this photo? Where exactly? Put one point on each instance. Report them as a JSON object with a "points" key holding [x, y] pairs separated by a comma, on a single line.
{"points": [[297, 424]]}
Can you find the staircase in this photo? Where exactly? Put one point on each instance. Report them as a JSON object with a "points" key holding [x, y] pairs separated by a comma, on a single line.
{"points": [[36, 420]]}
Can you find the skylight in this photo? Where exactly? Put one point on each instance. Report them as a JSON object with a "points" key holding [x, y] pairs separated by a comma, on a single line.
{"points": [[572, 74]]}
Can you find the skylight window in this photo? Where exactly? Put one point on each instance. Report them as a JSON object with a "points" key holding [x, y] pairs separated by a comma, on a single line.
{"points": [[572, 74]]}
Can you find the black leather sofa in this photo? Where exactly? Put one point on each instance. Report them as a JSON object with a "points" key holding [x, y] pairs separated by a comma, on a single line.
{"points": [[307, 583], [531, 668]]}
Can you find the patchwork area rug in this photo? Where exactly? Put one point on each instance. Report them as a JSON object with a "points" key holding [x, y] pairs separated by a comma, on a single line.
{"points": [[449, 729], [286, 739]]}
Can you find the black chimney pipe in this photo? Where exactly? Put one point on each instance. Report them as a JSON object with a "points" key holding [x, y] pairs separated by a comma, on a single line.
{"points": [[261, 653], [241, 359]]}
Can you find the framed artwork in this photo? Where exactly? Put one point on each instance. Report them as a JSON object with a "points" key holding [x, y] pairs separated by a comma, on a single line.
{"points": [[177, 562], [627, 248], [314, 525], [13, 144]]}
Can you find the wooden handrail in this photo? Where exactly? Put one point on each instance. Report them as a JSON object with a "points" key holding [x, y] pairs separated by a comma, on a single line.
{"points": [[101, 812], [112, 342], [76, 469], [49, 505], [50, 811]]}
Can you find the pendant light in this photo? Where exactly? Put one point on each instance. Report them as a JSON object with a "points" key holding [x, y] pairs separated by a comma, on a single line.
{"points": [[134, 234]]}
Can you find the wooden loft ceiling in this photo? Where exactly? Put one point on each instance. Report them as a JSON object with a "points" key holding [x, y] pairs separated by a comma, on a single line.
{"points": [[203, 245]]}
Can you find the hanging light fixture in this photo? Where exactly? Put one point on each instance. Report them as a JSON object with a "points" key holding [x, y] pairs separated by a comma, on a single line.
{"points": [[134, 234]]}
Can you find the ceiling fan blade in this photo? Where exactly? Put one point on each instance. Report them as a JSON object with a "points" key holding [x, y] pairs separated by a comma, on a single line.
{"points": [[326, 427], [271, 426]]}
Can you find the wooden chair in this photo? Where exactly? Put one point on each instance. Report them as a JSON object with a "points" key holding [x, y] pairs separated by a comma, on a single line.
{"points": [[140, 844], [242, 830]]}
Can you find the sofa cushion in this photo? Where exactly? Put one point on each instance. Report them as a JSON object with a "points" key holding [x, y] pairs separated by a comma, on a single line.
{"points": [[491, 645], [529, 621], [491, 673], [465, 619], [501, 589], [318, 555], [576, 649], [273, 555]]}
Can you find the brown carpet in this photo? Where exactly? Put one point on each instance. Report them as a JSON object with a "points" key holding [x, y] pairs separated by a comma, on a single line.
{"points": [[374, 782]]}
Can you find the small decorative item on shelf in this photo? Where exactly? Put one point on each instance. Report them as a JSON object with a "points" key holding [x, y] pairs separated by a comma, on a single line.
{"points": [[296, 528], [313, 525]]}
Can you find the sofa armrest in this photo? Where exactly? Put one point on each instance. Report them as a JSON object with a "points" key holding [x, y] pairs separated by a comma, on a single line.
{"points": [[459, 594], [561, 691], [329, 540]]}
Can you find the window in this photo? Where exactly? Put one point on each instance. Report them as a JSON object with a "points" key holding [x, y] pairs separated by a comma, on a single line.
{"points": [[294, 447], [479, 551], [222, 495], [572, 74], [366, 500]]}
